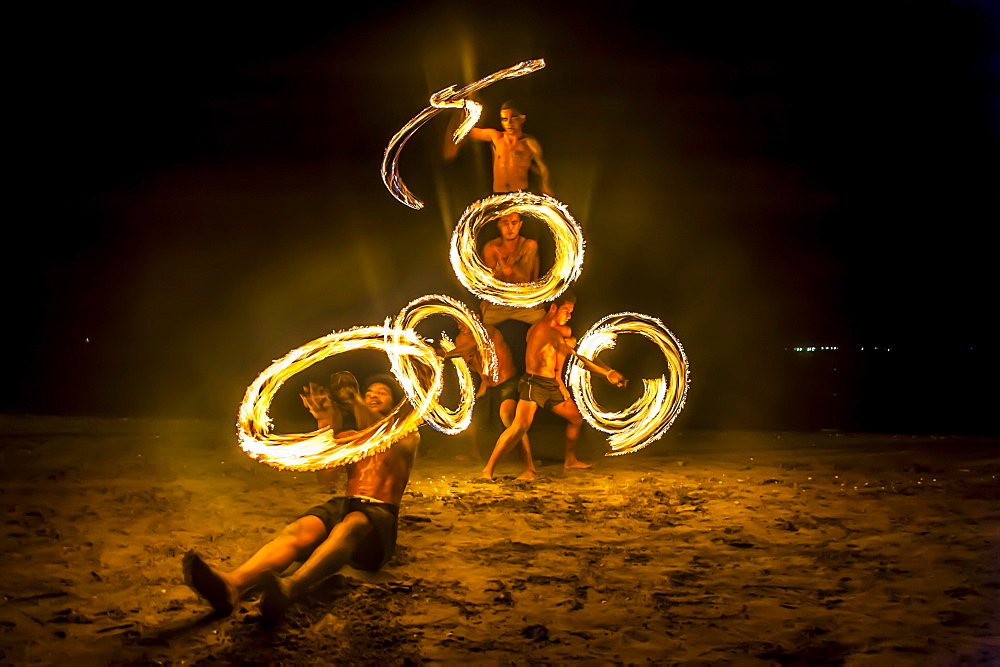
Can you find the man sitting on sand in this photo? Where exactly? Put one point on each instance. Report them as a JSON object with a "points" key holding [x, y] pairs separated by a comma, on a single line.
{"points": [[358, 529], [540, 387]]}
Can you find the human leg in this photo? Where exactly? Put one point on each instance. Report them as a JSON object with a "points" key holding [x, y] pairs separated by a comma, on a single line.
{"points": [[332, 554], [224, 589], [523, 415], [574, 420], [507, 411]]}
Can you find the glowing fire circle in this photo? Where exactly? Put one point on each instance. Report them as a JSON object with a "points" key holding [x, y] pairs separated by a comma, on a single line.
{"points": [[479, 280], [416, 366], [319, 449], [449, 422], [663, 398]]}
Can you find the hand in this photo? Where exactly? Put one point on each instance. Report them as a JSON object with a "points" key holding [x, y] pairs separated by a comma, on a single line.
{"points": [[316, 398], [503, 267], [616, 378], [345, 387]]}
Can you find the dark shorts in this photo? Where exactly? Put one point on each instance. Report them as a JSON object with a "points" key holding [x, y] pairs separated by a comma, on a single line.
{"points": [[376, 549], [506, 390], [541, 390]]}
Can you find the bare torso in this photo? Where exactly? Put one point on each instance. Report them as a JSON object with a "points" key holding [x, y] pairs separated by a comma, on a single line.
{"points": [[505, 360], [512, 261], [546, 348], [512, 157], [384, 476]]}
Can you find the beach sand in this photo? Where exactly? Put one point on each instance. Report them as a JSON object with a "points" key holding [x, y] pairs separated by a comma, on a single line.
{"points": [[703, 548]]}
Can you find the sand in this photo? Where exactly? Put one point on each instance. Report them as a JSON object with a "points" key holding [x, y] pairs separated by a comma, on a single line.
{"points": [[704, 548]]}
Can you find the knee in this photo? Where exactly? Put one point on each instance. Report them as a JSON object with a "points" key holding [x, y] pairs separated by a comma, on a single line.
{"points": [[518, 428], [305, 532]]}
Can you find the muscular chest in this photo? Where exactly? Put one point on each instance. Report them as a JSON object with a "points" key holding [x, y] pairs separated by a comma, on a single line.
{"points": [[512, 153], [512, 256]]}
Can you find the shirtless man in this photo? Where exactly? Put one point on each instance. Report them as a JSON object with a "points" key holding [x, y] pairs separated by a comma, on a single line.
{"points": [[358, 529], [513, 259], [540, 387], [504, 390], [514, 152]]}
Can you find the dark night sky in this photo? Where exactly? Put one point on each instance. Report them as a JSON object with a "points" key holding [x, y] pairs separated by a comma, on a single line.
{"points": [[201, 190]]}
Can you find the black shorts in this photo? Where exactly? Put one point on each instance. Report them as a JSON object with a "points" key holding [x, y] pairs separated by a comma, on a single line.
{"points": [[376, 549], [506, 390], [541, 390]]}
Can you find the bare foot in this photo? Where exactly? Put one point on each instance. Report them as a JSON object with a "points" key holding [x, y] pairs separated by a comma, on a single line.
{"points": [[486, 474], [526, 476], [275, 598], [576, 464], [210, 584]]}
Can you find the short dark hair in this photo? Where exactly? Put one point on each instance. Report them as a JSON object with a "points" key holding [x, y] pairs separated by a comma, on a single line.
{"points": [[513, 105], [564, 298], [389, 381]]}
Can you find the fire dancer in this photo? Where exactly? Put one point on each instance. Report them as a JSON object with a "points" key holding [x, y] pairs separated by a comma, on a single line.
{"points": [[358, 529], [513, 259], [503, 392], [515, 153], [540, 386]]}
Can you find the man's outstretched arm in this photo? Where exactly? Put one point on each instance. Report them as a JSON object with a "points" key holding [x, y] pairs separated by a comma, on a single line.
{"points": [[613, 376], [317, 400], [450, 149]]}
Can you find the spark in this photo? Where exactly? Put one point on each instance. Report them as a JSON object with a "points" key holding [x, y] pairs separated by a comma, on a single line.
{"points": [[479, 280], [449, 98], [652, 414]]}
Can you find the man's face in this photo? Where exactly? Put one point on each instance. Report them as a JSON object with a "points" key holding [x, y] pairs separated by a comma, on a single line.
{"points": [[511, 121], [510, 226], [563, 313], [378, 397]]}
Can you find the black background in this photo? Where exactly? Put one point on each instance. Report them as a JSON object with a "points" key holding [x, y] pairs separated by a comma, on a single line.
{"points": [[196, 192]]}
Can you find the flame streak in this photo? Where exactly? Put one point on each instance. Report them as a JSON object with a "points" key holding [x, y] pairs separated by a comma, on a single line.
{"points": [[449, 422], [319, 449], [663, 398], [410, 358], [449, 98], [479, 280]]}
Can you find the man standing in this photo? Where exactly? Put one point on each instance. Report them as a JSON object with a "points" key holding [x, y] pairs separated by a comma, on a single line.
{"points": [[515, 153], [540, 387], [358, 529], [503, 392]]}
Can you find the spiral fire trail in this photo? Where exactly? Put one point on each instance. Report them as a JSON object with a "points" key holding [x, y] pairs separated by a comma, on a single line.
{"points": [[478, 279], [649, 417], [449, 422], [449, 98]]}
